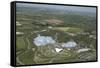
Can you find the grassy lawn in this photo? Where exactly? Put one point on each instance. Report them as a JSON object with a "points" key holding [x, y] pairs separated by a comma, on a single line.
{"points": [[20, 43], [69, 29]]}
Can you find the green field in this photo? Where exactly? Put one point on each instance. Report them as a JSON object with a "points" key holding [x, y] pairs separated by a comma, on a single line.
{"points": [[69, 29]]}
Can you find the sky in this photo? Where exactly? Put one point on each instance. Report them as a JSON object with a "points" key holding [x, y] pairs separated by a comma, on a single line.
{"points": [[59, 7]]}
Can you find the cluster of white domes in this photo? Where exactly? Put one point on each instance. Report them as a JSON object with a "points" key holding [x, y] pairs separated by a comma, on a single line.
{"points": [[69, 44], [43, 40]]}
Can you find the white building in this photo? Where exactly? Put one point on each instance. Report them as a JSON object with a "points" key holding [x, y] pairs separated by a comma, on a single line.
{"points": [[70, 44], [43, 40]]}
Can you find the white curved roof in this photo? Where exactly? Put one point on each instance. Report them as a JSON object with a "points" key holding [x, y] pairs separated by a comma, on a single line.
{"points": [[69, 44], [43, 40]]}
